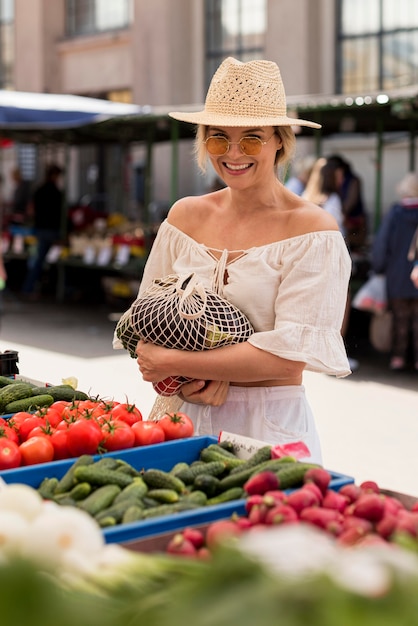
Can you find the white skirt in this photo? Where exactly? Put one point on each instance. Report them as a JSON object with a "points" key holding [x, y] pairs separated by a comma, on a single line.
{"points": [[276, 415]]}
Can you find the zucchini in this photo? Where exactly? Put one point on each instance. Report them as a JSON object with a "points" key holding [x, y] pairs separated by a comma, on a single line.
{"points": [[235, 493], [99, 499], [14, 392], [29, 404], [68, 481], [98, 476], [63, 392], [158, 479]]}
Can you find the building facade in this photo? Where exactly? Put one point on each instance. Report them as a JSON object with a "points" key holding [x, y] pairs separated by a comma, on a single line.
{"points": [[163, 52]]}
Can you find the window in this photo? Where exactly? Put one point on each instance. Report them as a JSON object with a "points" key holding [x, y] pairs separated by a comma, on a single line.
{"points": [[234, 28], [6, 43], [84, 17], [377, 44]]}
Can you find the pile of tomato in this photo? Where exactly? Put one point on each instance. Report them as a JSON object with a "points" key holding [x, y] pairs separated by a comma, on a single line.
{"points": [[70, 429]]}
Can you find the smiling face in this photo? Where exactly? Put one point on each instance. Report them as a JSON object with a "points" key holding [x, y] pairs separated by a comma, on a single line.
{"points": [[247, 151]]}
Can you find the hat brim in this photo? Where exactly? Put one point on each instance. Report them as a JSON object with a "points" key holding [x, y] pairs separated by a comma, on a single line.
{"points": [[213, 119]]}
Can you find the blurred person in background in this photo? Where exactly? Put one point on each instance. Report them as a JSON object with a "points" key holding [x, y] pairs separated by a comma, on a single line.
{"points": [[301, 170], [390, 253], [46, 209]]}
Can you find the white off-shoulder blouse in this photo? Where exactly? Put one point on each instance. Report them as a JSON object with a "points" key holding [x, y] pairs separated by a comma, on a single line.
{"points": [[294, 291]]}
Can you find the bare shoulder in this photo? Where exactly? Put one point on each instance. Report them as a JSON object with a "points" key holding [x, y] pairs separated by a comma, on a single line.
{"points": [[188, 212]]}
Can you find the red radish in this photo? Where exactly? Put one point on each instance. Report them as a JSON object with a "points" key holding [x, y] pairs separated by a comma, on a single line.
{"points": [[253, 500], [328, 519], [281, 514], [315, 489], [220, 531], [243, 523], [364, 526], [414, 507], [181, 546], [334, 500], [370, 505], [318, 475], [351, 492], [302, 498], [258, 513], [370, 486], [386, 526], [262, 482], [203, 553], [195, 536], [393, 505], [408, 523], [351, 536], [270, 498]]}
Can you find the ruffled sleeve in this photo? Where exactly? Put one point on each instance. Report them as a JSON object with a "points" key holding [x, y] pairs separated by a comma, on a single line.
{"points": [[310, 304]]}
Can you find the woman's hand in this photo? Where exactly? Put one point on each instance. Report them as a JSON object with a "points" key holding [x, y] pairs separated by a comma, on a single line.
{"points": [[213, 392], [153, 361]]}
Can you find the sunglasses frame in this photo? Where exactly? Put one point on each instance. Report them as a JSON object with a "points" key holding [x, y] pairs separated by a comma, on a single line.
{"points": [[236, 143]]}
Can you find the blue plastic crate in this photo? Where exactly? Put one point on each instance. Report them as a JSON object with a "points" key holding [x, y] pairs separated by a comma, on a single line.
{"points": [[159, 456]]}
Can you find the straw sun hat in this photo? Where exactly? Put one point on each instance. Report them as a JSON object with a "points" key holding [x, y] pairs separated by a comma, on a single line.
{"points": [[244, 94]]}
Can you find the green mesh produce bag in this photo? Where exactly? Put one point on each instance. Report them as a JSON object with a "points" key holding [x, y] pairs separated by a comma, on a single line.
{"points": [[179, 312]]}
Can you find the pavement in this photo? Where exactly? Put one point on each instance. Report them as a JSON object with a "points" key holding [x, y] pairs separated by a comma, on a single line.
{"points": [[368, 422]]}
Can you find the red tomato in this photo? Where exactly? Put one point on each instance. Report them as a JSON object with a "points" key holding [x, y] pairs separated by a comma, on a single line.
{"points": [[9, 433], [52, 416], [18, 418], [176, 425], [128, 413], [36, 450], [117, 435], [60, 443], [10, 455], [59, 405], [147, 433], [28, 425], [83, 437]]}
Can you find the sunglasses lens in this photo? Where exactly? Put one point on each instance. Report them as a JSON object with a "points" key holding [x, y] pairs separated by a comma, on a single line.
{"points": [[217, 145], [251, 145]]}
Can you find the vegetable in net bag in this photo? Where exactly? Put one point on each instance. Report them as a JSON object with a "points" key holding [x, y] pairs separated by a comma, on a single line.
{"points": [[179, 312]]}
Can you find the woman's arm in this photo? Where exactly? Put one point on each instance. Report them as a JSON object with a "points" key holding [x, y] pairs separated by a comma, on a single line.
{"points": [[239, 363]]}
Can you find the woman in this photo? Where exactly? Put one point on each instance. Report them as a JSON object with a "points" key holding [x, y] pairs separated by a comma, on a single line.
{"points": [[322, 189], [281, 260], [391, 256]]}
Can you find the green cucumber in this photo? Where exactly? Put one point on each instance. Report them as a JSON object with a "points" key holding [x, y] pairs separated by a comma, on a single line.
{"points": [[158, 479], [99, 499], [133, 514], [215, 468], [262, 454], [210, 485], [80, 491], [29, 404], [115, 510], [195, 497], [64, 392], [235, 493], [169, 509], [292, 475], [4, 381], [208, 455], [135, 491], [164, 496], [98, 476], [47, 488], [68, 481]]}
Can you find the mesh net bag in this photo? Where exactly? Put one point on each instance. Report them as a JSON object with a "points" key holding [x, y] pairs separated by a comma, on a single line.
{"points": [[179, 312]]}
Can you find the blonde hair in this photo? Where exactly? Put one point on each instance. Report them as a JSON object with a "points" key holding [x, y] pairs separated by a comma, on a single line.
{"points": [[283, 156], [408, 186]]}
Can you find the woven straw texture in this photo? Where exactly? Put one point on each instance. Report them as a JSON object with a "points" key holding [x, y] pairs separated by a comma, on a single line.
{"points": [[179, 312], [244, 94]]}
